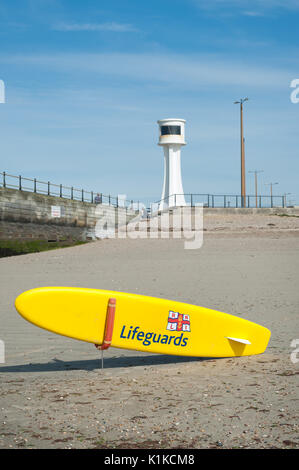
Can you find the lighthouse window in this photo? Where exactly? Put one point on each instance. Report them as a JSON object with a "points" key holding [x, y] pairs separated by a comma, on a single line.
{"points": [[170, 130]]}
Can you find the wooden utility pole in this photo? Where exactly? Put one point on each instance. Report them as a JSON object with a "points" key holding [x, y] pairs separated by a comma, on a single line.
{"points": [[243, 182], [271, 185], [255, 182], [271, 191]]}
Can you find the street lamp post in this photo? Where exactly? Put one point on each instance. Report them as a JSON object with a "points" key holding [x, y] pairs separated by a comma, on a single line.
{"points": [[255, 178], [271, 191], [243, 183], [285, 198]]}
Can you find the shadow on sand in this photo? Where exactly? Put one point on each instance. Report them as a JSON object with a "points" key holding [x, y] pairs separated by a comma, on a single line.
{"points": [[109, 363]]}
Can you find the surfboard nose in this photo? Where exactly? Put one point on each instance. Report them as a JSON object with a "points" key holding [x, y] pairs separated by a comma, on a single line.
{"points": [[20, 302], [23, 303]]}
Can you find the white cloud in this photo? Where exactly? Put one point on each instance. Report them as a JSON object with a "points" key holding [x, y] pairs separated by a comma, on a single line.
{"points": [[252, 13], [176, 71], [112, 27]]}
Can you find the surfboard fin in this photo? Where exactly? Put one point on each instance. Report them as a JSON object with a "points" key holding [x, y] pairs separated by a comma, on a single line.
{"points": [[239, 340]]}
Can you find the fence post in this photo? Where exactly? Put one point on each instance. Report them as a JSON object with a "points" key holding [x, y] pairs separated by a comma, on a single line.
{"points": [[260, 201], [34, 185], [48, 188], [109, 199], [283, 200], [224, 201], [236, 201], [60, 190], [116, 201], [82, 195], [213, 200], [191, 200], [271, 201], [248, 203], [20, 182], [4, 182], [72, 192]]}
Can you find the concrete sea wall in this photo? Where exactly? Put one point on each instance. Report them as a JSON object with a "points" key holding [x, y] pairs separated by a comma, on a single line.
{"points": [[26, 215]]}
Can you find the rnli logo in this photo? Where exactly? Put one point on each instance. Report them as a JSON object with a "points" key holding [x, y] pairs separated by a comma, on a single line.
{"points": [[178, 322]]}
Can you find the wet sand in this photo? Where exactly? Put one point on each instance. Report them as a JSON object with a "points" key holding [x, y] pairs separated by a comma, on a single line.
{"points": [[54, 393]]}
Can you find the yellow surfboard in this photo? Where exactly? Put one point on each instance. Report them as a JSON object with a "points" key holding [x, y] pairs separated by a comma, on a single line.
{"points": [[142, 323]]}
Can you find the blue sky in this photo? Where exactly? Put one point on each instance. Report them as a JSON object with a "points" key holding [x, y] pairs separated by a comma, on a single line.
{"points": [[87, 81]]}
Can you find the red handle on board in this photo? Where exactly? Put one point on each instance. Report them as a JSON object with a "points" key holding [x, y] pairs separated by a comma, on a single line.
{"points": [[109, 325]]}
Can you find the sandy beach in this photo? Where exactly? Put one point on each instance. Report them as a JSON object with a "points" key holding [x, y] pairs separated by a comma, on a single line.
{"points": [[54, 393]]}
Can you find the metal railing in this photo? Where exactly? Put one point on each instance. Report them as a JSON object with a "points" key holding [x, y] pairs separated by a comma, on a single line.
{"points": [[58, 190], [221, 201], [69, 192]]}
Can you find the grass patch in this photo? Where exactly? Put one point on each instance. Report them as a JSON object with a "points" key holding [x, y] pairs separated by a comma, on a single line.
{"points": [[17, 247]]}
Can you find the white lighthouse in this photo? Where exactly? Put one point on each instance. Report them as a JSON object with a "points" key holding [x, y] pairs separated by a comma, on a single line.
{"points": [[172, 137]]}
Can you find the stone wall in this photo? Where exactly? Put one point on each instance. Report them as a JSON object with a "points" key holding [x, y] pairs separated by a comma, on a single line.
{"points": [[26, 215]]}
